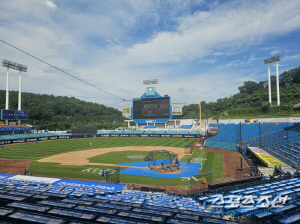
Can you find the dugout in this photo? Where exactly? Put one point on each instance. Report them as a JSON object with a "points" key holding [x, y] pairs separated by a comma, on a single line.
{"points": [[87, 131]]}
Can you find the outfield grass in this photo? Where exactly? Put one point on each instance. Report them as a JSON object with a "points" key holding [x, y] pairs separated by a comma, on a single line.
{"points": [[36, 151], [41, 150], [213, 162]]}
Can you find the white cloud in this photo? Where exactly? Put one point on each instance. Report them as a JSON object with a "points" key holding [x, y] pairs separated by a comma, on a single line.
{"points": [[50, 4], [226, 28], [218, 53], [295, 56], [275, 52], [116, 44]]}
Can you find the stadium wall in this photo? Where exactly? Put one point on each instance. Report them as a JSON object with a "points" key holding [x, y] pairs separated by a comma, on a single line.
{"points": [[44, 138]]}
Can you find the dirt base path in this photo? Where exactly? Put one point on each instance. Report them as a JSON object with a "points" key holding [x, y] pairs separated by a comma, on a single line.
{"points": [[80, 158], [13, 166]]}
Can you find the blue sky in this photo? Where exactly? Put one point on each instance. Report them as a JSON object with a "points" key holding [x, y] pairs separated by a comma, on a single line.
{"points": [[196, 49]]}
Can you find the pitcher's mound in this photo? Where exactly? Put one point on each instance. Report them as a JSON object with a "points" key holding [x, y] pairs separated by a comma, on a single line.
{"points": [[163, 170]]}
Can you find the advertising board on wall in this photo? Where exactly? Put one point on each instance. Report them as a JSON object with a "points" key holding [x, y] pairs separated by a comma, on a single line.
{"points": [[212, 131], [126, 112], [265, 157], [176, 110]]}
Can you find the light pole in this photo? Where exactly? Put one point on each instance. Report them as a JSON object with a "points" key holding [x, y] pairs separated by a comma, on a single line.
{"points": [[20, 68], [268, 61]]}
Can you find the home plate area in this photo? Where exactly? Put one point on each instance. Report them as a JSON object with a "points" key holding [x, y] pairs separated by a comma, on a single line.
{"points": [[186, 170]]}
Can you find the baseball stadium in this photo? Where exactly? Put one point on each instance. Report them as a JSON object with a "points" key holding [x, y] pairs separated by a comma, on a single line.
{"points": [[84, 141], [135, 174]]}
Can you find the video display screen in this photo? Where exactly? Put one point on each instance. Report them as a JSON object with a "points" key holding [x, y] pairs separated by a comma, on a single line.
{"points": [[13, 114], [152, 108]]}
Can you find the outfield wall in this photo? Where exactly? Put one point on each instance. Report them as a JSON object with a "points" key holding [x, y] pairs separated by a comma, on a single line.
{"points": [[151, 135], [43, 138]]}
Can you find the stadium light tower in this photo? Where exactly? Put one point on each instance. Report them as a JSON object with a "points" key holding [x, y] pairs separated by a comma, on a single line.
{"points": [[20, 68], [268, 61]]}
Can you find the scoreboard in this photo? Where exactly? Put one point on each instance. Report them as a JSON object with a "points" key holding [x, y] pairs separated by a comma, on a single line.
{"points": [[151, 108]]}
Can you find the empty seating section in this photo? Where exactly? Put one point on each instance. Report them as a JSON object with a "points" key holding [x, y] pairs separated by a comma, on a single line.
{"points": [[146, 127], [110, 131], [118, 132], [186, 126], [258, 210], [244, 133], [250, 133], [36, 202], [279, 139], [171, 132], [138, 132], [8, 137], [149, 132], [29, 135], [160, 132], [128, 132], [224, 127], [229, 132], [101, 132], [182, 132], [282, 144]]}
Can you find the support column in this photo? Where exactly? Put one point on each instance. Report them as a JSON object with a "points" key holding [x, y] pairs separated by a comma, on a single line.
{"points": [[20, 84], [7, 90], [19, 101], [277, 83], [269, 84], [7, 93]]}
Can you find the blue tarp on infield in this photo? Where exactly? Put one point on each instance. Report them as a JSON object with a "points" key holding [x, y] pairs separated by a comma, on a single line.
{"points": [[187, 170]]}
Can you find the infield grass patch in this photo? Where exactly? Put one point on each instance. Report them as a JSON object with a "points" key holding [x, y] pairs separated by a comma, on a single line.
{"points": [[118, 157]]}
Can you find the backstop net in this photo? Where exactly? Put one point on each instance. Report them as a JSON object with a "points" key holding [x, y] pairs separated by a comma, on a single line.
{"points": [[200, 182], [113, 175], [160, 159]]}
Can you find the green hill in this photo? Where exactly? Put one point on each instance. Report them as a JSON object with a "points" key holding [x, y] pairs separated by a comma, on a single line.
{"points": [[252, 95], [61, 112]]}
